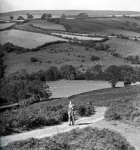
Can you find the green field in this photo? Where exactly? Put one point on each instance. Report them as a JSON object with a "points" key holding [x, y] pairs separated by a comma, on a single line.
{"points": [[108, 22], [46, 25], [6, 25], [26, 39], [29, 28], [131, 21], [98, 28]]}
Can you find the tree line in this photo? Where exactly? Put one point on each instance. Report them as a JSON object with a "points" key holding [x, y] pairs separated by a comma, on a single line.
{"points": [[19, 83]]}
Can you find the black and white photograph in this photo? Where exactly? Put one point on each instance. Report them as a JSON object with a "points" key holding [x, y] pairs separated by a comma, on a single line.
{"points": [[70, 74]]}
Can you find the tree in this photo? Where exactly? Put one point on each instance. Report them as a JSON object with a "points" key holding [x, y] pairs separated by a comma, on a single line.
{"points": [[135, 25], [43, 17], [52, 74], [67, 27], [128, 74], [113, 75], [20, 18], [63, 17], [67, 72], [127, 23], [46, 16], [11, 17], [95, 58], [49, 16], [29, 16]]}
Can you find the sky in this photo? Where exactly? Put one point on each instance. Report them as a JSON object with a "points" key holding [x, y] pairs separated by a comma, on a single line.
{"points": [[14, 5]]}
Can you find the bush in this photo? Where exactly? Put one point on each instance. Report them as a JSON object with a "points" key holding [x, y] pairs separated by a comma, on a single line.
{"points": [[32, 117], [33, 59], [95, 58], [86, 110]]}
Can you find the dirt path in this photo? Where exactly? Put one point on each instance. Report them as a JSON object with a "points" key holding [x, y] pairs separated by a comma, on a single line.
{"points": [[131, 133], [50, 131]]}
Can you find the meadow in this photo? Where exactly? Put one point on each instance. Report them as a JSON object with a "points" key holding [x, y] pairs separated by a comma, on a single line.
{"points": [[6, 25], [66, 88], [46, 25], [26, 39]]}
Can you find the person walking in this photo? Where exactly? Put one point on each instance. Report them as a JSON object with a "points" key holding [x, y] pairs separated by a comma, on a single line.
{"points": [[71, 113]]}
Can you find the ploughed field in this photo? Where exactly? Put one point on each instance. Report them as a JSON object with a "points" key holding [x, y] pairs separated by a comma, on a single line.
{"points": [[26, 39]]}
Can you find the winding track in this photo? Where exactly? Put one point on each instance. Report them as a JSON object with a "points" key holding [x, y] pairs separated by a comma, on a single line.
{"points": [[50, 131]]}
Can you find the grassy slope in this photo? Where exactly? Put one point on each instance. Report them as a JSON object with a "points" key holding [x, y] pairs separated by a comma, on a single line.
{"points": [[59, 55], [26, 39], [131, 47]]}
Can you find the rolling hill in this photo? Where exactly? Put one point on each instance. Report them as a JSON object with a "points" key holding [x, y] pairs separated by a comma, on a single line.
{"points": [[91, 13]]}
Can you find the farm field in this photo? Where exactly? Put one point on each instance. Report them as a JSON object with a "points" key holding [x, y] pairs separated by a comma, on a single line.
{"points": [[78, 37], [29, 28], [57, 55], [46, 25], [6, 25], [83, 26], [108, 21], [132, 47], [26, 39], [124, 20]]}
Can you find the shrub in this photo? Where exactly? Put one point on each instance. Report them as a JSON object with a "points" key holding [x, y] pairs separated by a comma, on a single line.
{"points": [[33, 59], [86, 110], [95, 58]]}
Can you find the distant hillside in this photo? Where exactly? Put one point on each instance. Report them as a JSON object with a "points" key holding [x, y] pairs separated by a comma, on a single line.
{"points": [[91, 13]]}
